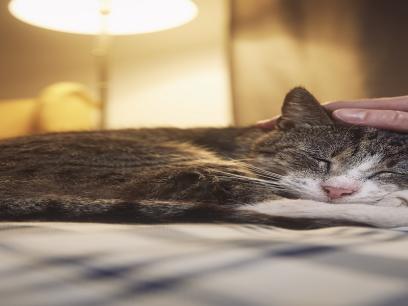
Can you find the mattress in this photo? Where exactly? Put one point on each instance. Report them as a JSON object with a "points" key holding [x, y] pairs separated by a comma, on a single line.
{"points": [[200, 264]]}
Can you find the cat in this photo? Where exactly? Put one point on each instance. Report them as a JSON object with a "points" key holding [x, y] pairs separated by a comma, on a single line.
{"points": [[310, 172]]}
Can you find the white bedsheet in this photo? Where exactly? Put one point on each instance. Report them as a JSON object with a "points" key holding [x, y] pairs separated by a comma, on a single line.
{"points": [[164, 265]]}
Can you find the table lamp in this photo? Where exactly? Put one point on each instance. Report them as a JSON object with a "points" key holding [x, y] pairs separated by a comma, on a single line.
{"points": [[104, 18]]}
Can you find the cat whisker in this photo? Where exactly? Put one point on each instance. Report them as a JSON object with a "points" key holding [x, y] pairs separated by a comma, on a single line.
{"points": [[263, 172], [259, 171], [252, 184], [266, 183]]}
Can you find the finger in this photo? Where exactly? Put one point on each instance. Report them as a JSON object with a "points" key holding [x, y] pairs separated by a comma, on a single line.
{"points": [[395, 103], [268, 124], [383, 119]]}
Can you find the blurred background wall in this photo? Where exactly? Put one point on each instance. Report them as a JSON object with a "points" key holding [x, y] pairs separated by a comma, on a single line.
{"points": [[176, 77], [344, 49], [233, 63]]}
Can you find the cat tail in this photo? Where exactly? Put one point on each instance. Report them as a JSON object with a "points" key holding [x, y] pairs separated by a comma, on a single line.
{"points": [[74, 209]]}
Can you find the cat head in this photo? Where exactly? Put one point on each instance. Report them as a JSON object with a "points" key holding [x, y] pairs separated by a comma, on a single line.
{"points": [[310, 156]]}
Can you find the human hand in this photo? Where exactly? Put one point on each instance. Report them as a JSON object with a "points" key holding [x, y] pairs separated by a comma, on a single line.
{"points": [[384, 113]]}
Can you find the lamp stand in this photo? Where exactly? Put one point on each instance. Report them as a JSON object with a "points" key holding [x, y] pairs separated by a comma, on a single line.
{"points": [[102, 55]]}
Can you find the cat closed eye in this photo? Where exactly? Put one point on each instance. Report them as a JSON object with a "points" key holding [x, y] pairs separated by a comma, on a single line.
{"points": [[384, 173]]}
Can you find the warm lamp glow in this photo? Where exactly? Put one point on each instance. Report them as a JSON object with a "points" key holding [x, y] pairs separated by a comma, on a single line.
{"points": [[125, 16]]}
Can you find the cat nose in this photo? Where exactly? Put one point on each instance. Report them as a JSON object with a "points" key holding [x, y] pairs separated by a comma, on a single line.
{"points": [[338, 192]]}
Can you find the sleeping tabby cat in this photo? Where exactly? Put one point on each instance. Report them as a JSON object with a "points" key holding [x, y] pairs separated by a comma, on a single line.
{"points": [[346, 175]]}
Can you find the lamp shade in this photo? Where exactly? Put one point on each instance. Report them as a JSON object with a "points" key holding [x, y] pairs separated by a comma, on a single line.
{"points": [[126, 17]]}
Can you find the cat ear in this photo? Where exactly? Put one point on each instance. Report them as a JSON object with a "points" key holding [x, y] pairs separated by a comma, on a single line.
{"points": [[300, 108]]}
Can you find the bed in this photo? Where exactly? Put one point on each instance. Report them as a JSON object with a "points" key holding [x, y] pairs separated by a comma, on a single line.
{"points": [[200, 264]]}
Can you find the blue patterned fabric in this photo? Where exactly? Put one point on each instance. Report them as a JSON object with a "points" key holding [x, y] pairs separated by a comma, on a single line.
{"points": [[221, 265]]}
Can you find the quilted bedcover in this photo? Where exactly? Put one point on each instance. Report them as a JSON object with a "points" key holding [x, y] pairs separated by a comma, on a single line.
{"points": [[200, 264]]}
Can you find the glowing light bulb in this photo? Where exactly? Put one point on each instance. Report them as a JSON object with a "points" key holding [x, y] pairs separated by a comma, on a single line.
{"points": [[126, 17]]}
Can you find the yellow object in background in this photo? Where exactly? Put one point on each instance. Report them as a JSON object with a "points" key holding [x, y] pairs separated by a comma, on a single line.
{"points": [[66, 107], [17, 117], [59, 107]]}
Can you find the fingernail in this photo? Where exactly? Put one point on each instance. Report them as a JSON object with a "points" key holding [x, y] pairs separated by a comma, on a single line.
{"points": [[267, 123], [264, 121], [350, 115]]}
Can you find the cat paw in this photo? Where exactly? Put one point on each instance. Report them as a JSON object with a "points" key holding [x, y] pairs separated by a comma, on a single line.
{"points": [[280, 206], [395, 199]]}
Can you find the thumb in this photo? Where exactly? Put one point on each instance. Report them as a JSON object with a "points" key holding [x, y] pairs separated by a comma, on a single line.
{"points": [[383, 119]]}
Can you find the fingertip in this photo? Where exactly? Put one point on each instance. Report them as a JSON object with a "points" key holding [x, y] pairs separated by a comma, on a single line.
{"points": [[350, 115], [267, 123], [382, 119], [333, 105]]}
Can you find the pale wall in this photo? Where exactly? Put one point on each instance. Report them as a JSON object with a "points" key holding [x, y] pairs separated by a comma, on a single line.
{"points": [[177, 77], [185, 89]]}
